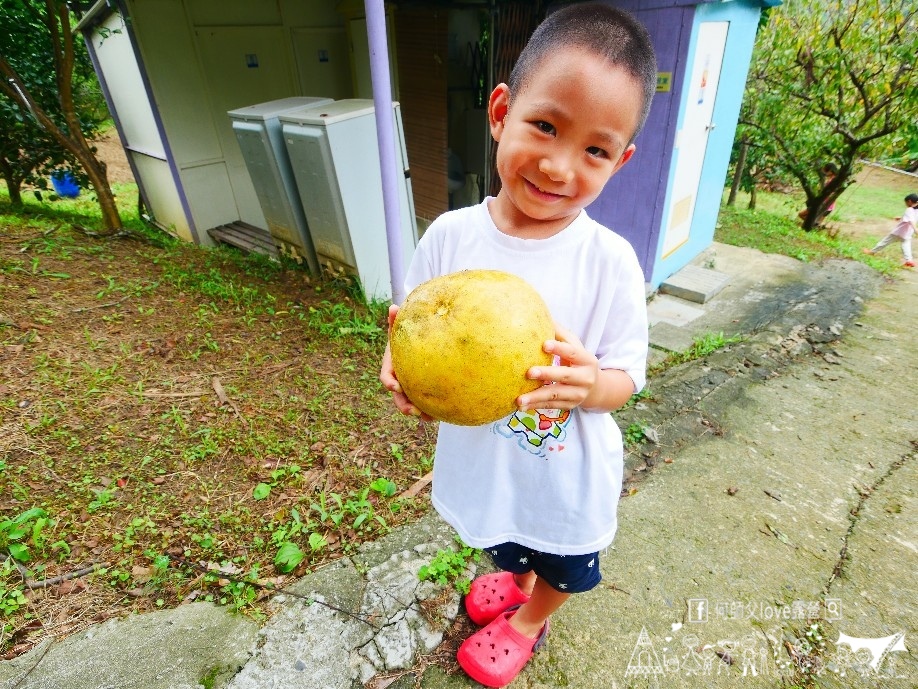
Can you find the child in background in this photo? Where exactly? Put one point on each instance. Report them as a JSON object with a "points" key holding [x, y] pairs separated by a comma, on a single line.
{"points": [[903, 231], [544, 507]]}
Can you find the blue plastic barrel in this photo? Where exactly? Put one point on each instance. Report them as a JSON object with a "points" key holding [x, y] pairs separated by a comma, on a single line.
{"points": [[64, 184]]}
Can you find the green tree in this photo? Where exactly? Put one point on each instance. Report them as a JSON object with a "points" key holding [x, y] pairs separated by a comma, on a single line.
{"points": [[27, 154], [829, 80], [36, 33]]}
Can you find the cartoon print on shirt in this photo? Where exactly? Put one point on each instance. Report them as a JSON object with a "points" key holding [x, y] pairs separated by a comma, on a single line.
{"points": [[538, 431]]}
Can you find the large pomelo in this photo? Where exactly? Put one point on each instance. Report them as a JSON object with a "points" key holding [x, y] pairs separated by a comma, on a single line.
{"points": [[462, 343]]}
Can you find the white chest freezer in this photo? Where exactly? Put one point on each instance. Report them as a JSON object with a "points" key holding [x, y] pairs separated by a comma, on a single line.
{"points": [[260, 138], [335, 157]]}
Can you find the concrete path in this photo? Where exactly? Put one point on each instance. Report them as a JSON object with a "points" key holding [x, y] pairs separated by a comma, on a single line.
{"points": [[775, 512]]}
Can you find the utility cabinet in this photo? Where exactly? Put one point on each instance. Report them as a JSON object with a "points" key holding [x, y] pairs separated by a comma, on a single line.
{"points": [[334, 153], [258, 131]]}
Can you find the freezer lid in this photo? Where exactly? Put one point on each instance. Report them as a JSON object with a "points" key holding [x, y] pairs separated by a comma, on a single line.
{"points": [[273, 108], [330, 113]]}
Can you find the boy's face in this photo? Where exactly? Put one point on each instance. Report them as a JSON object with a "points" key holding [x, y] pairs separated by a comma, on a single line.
{"points": [[564, 135]]}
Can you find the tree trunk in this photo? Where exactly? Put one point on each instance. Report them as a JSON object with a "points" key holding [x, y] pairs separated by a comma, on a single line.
{"points": [[809, 215], [13, 184], [15, 193], [738, 172], [752, 197]]}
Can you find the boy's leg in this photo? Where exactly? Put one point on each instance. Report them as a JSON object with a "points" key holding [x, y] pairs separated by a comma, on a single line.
{"points": [[496, 653], [526, 581], [907, 249], [530, 618], [492, 594]]}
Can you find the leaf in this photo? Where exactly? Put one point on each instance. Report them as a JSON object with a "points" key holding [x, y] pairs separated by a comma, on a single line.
{"points": [[288, 557], [28, 515], [780, 535], [19, 552], [261, 491], [384, 487], [317, 541]]}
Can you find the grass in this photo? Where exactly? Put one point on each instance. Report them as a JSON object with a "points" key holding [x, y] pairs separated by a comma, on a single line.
{"points": [[771, 229], [701, 346], [866, 199]]}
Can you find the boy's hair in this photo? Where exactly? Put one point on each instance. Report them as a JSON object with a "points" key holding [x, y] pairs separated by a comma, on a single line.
{"points": [[605, 31], [912, 197]]}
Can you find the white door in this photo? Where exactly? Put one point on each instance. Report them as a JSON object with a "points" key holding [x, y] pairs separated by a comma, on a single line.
{"points": [[692, 138], [242, 66], [322, 62]]}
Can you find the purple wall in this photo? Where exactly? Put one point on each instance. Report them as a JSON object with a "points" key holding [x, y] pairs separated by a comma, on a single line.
{"points": [[632, 202]]}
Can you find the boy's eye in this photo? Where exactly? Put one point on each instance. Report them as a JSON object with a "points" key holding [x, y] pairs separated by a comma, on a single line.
{"points": [[545, 127], [596, 152]]}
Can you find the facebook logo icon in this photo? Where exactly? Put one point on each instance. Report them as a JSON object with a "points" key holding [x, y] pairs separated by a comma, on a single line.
{"points": [[697, 609]]}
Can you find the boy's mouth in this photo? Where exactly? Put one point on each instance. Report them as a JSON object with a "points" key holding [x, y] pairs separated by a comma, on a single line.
{"points": [[544, 193]]}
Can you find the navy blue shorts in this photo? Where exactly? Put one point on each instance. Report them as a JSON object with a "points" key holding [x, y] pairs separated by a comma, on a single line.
{"points": [[564, 573]]}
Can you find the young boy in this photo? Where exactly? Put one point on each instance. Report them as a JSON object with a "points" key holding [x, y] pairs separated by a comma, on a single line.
{"points": [[543, 503], [903, 231]]}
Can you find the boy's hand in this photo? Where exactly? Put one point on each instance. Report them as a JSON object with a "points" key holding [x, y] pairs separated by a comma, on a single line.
{"points": [[565, 386], [578, 381], [390, 382]]}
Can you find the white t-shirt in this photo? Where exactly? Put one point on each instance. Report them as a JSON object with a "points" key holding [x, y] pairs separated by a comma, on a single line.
{"points": [[907, 223], [549, 482]]}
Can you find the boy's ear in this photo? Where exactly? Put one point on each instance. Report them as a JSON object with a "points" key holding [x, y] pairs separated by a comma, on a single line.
{"points": [[498, 106], [625, 157]]}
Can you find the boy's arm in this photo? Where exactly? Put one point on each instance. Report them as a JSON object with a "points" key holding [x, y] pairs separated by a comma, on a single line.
{"points": [[578, 381]]}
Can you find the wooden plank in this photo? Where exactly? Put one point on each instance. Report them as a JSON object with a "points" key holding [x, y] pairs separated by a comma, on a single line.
{"points": [[246, 237]]}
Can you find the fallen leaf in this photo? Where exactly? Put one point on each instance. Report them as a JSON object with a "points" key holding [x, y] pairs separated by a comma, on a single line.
{"points": [[781, 536]]}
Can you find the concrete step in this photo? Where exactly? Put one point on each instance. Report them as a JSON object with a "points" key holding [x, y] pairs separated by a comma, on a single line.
{"points": [[695, 284]]}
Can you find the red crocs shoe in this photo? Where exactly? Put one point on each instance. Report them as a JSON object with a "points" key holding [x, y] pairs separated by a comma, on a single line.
{"points": [[494, 655], [492, 594], [909, 264]]}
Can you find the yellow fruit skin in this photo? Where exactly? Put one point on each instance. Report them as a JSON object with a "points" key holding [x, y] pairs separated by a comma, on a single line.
{"points": [[462, 343]]}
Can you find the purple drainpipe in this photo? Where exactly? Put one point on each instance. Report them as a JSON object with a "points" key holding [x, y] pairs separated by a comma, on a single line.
{"points": [[385, 127]]}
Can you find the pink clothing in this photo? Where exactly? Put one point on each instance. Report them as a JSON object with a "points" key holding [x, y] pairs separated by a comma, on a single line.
{"points": [[906, 226]]}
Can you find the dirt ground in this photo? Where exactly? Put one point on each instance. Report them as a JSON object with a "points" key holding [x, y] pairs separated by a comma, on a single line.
{"points": [[176, 413], [111, 152]]}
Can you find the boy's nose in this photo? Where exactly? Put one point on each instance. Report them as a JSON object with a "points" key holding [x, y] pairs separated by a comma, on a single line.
{"points": [[557, 169]]}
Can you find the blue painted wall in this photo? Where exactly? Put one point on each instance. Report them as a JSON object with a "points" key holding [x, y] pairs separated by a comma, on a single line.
{"points": [[743, 18], [635, 203], [632, 202]]}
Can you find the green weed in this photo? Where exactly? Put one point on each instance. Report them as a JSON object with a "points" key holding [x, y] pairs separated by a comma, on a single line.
{"points": [[644, 394], [701, 346], [13, 533], [338, 320], [635, 433], [449, 565]]}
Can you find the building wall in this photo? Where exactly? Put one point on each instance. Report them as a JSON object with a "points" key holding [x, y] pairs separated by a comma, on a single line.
{"points": [[211, 56], [743, 20], [113, 54], [636, 201], [633, 201]]}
